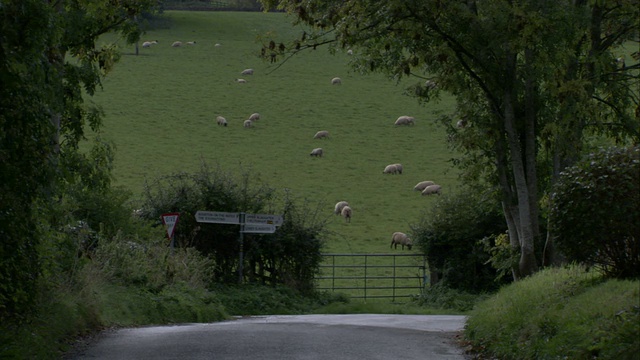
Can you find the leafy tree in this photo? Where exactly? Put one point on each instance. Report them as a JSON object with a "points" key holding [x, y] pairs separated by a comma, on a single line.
{"points": [[596, 207], [531, 79], [48, 60]]}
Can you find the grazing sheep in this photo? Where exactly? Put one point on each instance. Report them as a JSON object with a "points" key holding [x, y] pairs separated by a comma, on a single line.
{"points": [[191, 42], [321, 134], [432, 189], [317, 152], [405, 120], [399, 168], [390, 169], [339, 206], [221, 121], [241, 81], [247, 72], [349, 52], [400, 238], [147, 44], [346, 213], [336, 81], [423, 185], [248, 123], [461, 124], [217, 45], [254, 117], [176, 44]]}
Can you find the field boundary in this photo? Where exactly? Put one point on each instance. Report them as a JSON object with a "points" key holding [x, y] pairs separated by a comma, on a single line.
{"points": [[368, 276]]}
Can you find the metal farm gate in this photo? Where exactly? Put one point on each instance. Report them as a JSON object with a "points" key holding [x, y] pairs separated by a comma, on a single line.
{"points": [[368, 276]]}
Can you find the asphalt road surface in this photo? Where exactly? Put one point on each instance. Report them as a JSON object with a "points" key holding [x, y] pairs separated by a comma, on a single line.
{"points": [[306, 337]]}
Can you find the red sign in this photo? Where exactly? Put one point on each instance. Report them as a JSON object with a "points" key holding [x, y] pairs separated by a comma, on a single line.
{"points": [[170, 220]]}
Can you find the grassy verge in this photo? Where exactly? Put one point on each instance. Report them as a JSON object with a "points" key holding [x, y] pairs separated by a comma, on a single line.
{"points": [[559, 314]]}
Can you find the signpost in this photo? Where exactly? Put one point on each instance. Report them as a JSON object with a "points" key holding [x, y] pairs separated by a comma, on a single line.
{"points": [[257, 219], [249, 223], [217, 217], [259, 229], [170, 220]]}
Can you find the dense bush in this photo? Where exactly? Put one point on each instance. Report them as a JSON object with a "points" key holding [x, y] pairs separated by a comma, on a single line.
{"points": [[595, 212], [450, 235], [290, 256]]}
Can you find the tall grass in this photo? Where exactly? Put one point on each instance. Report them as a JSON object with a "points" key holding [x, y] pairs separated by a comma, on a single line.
{"points": [[161, 105]]}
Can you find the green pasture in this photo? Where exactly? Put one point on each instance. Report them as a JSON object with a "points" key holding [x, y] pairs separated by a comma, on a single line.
{"points": [[160, 109]]}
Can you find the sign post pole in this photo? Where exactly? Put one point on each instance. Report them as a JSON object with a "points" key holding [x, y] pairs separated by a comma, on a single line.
{"points": [[241, 260]]}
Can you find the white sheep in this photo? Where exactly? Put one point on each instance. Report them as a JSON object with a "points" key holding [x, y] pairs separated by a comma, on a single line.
{"points": [[221, 121], [241, 81], [432, 189], [349, 52], [346, 213], [217, 45], [336, 81], [254, 117], [398, 168], [400, 238], [423, 185], [317, 152], [390, 169], [430, 84], [339, 206], [176, 44], [191, 42], [247, 72], [461, 124], [405, 120], [247, 123], [321, 134], [148, 44]]}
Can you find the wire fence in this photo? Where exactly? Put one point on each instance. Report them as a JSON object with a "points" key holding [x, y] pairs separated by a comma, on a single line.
{"points": [[369, 276]]}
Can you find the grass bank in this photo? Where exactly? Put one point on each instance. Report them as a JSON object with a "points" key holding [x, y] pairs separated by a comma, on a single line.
{"points": [[559, 314]]}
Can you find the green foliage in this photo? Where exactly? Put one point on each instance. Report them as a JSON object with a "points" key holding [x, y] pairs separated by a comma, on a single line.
{"points": [[49, 58], [559, 313], [290, 256], [450, 235], [595, 211], [440, 296], [252, 299], [25, 132]]}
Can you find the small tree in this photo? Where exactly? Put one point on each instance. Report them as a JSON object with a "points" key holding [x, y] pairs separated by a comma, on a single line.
{"points": [[596, 211]]}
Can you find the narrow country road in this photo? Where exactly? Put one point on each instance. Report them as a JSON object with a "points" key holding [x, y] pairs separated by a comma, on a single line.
{"points": [[349, 337]]}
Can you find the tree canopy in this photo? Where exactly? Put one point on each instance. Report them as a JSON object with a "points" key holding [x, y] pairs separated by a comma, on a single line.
{"points": [[531, 80]]}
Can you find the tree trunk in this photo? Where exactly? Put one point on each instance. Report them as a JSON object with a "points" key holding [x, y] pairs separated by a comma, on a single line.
{"points": [[528, 263]]}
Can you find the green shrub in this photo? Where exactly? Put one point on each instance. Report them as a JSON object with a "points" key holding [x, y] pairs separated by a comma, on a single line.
{"points": [[440, 296], [451, 235], [595, 212]]}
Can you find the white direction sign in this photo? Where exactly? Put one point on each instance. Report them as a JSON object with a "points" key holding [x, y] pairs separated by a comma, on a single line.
{"points": [[218, 217], [257, 219], [259, 229]]}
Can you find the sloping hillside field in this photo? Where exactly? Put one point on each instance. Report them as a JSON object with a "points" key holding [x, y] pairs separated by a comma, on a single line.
{"points": [[161, 107]]}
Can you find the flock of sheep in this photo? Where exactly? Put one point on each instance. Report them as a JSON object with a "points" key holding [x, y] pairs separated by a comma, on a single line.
{"points": [[342, 208]]}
